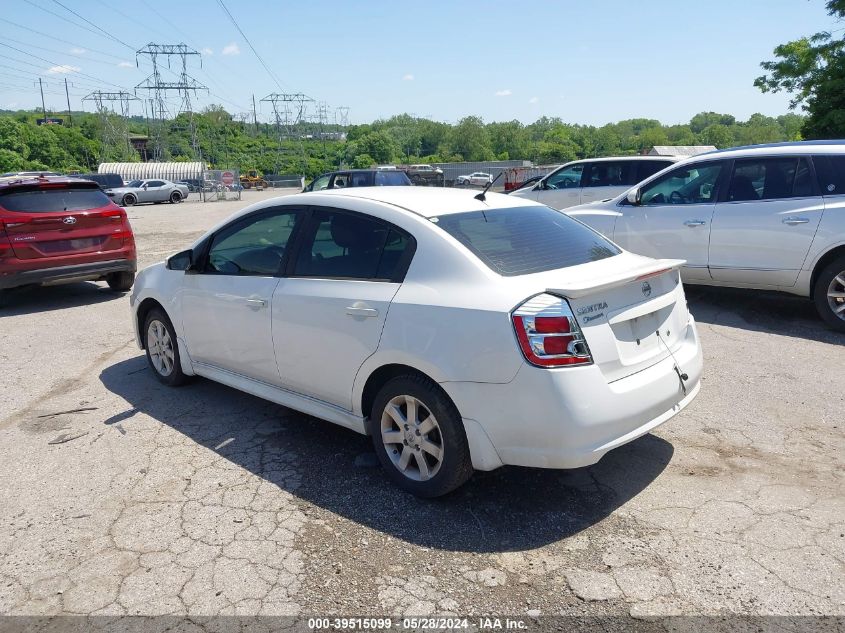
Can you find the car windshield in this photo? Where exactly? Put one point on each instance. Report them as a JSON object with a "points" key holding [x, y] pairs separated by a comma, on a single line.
{"points": [[525, 240], [389, 178], [53, 200], [134, 183]]}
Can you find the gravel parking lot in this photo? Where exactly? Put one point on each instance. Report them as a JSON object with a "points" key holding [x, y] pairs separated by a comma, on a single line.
{"points": [[121, 496]]}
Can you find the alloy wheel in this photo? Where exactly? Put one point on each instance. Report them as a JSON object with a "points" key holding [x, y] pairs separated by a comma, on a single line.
{"points": [[836, 295], [160, 348], [412, 438]]}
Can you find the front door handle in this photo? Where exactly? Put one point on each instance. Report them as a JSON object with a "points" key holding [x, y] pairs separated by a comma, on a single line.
{"points": [[793, 220], [695, 223], [256, 303], [357, 311]]}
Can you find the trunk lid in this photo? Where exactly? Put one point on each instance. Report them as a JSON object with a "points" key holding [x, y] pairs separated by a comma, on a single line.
{"points": [[620, 303], [630, 319], [56, 221]]}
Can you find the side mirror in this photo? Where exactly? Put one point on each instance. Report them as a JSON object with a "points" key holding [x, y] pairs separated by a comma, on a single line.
{"points": [[635, 196], [541, 184], [144, 186], [181, 261]]}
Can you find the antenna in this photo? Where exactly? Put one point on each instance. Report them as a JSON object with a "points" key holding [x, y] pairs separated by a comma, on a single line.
{"points": [[482, 196]]}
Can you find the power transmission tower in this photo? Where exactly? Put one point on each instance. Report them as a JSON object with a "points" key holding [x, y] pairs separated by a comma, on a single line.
{"points": [[184, 87], [341, 116], [289, 108], [115, 135]]}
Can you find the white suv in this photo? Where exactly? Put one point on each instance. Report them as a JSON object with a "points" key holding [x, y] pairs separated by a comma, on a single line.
{"points": [[459, 331], [593, 179], [765, 216]]}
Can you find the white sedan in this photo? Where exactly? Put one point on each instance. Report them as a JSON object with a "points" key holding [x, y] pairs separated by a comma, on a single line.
{"points": [[478, 178], [460, 332]]}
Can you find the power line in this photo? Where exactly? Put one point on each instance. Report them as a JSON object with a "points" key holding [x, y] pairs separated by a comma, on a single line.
{"points": [[62, 17], [246, 39], [58, 39], [103, 31]]}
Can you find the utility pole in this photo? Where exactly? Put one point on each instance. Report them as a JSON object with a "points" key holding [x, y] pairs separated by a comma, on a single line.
{"points": [[43, 107], [254, 115], [67, 94]]}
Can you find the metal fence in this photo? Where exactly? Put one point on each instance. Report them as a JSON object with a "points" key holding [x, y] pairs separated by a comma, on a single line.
{"points": [[221, 184], [451, 171]]}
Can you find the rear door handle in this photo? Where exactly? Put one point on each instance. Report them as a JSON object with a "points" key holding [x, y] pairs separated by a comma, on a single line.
{"points": [[794, 220], [356, 311], [256, 303], [695, 223]]}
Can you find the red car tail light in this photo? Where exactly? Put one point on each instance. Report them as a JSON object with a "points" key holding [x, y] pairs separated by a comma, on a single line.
{"points": [[5, 244], [548, 333]]}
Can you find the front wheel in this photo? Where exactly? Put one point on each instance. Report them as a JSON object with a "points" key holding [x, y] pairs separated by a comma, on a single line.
{"points": [[829, 294], [121, 282], [129, 199], [162, 349], [419, 437]]}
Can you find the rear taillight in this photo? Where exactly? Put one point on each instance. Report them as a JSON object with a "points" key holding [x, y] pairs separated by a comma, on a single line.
{"points": [[5, 244], [548, 334]]}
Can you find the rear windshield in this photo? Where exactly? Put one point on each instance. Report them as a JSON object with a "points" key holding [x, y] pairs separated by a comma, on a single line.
{"points": [[391, 178], [524, 240], [53, 200]]}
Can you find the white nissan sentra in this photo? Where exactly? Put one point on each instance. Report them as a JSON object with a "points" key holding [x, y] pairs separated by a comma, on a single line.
{"points": [[461, 332]]}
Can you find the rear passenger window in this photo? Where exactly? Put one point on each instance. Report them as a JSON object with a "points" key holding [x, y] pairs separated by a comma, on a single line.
{"points": [[343, 245], [830, 171], [608, 173], [769, 179]]}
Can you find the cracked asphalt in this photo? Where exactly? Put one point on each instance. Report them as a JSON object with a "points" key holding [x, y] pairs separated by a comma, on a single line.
{"points": [[119, 496]]}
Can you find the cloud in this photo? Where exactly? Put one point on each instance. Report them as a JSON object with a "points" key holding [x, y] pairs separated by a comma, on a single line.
{"points": [[207, 51], [125, 65], [64, 69], [533, 99], [231, 49], [77, 51], [408, 77], [504, 93]]}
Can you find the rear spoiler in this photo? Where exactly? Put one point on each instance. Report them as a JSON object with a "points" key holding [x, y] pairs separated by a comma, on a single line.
{"points": [[650, 268]]}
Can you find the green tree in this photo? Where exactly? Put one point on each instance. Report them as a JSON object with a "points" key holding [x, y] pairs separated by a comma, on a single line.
{"points": [[470, 139], [812, 69], [716, 134]]}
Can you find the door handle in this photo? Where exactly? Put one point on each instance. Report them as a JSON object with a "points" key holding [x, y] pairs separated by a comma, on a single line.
{"points": [[695, 223], [793, 220], [356, 311], [256, 303]]}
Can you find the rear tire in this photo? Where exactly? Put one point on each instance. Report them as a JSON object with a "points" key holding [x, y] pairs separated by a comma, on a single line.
{"points": [[163, 349], [4, 294], [121, 282], [175, 197], [129, 200], [419, 437], [829, 294]]}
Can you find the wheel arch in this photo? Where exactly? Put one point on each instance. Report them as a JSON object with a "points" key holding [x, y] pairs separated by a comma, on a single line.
{"points": [[141, 316], [378, 378], [823, 261]]}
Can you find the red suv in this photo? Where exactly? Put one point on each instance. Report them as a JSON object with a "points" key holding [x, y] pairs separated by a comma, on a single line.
{"points": [[59, 230]]}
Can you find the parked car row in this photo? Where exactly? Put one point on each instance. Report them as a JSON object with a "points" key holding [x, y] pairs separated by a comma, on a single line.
{"points": [[467, 330]]}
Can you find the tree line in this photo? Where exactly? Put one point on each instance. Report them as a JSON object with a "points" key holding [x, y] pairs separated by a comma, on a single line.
{"points": [[224, 142]]}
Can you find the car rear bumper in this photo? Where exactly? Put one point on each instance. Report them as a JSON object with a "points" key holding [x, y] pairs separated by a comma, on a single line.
{"points": [[67, 274], [571, 417]]}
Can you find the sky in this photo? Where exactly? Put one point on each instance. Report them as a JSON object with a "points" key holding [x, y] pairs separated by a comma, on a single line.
{"points": [[589, 62]]}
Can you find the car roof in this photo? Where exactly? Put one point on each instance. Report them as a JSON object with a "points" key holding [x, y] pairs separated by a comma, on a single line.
{"points": [[11, 182], [637, 157], [427, 201], [833, 146]]}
